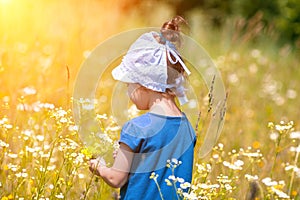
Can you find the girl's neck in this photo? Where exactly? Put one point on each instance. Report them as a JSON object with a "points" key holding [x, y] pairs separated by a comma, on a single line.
{"points": [[164, 105]]}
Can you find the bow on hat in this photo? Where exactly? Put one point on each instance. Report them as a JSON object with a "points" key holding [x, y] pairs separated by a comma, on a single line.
{"points": [[146, 64]]}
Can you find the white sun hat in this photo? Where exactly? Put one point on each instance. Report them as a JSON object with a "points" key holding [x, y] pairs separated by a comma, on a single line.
{"points": [[146, 64]]}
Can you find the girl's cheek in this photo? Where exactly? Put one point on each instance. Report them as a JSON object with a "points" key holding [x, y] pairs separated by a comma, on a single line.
{"points": [[129, 90], [130, 93], [132, 89]]}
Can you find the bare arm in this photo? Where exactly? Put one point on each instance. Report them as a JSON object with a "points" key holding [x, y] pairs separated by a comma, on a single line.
{"points": [[117, 175]]}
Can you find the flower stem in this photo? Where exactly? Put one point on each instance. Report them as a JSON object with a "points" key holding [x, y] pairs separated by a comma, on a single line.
{"points": [[88, 186], [276, 154], [161, 195], [174, 183], [293, 173]]}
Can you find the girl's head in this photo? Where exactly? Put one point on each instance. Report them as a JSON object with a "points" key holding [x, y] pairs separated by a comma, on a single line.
{"points": [[154, 63], [170, 31], [140, 95]]}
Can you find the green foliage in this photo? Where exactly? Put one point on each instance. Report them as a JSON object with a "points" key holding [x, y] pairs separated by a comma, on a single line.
{"points": [[288, 22], [283, 16], [41, 154]]}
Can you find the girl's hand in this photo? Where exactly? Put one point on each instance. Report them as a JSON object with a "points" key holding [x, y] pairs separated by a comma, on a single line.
{"points": [[115, 153], [96, 164], [117, 175], [116, 149]]}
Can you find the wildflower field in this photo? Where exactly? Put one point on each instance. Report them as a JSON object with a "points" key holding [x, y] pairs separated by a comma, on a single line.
{"points": [[42, 156]]}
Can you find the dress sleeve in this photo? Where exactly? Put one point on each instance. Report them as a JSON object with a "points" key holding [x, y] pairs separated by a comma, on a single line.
{"points": [[130, 136]]}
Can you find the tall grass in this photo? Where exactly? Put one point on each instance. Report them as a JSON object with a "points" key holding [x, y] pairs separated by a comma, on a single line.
{"points": [[42, 156]]}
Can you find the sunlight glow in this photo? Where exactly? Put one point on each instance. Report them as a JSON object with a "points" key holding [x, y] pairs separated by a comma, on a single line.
{"points": [[5, 2]]}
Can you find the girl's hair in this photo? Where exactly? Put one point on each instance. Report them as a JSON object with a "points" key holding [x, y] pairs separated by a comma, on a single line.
{"points": [[170, 31]]}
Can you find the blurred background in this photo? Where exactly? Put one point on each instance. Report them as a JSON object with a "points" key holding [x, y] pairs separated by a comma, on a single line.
{"points": [[255, 44]]}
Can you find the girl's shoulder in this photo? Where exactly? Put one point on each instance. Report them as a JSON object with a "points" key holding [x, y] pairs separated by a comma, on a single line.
{"points": [[149, 118], [137, 126], [140, 121]]}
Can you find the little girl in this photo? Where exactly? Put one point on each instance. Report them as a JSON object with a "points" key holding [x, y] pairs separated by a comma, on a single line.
{"points": [[157, 148]]}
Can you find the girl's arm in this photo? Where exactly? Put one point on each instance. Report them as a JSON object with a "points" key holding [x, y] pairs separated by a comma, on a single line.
{"points": [[117, 175]]}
